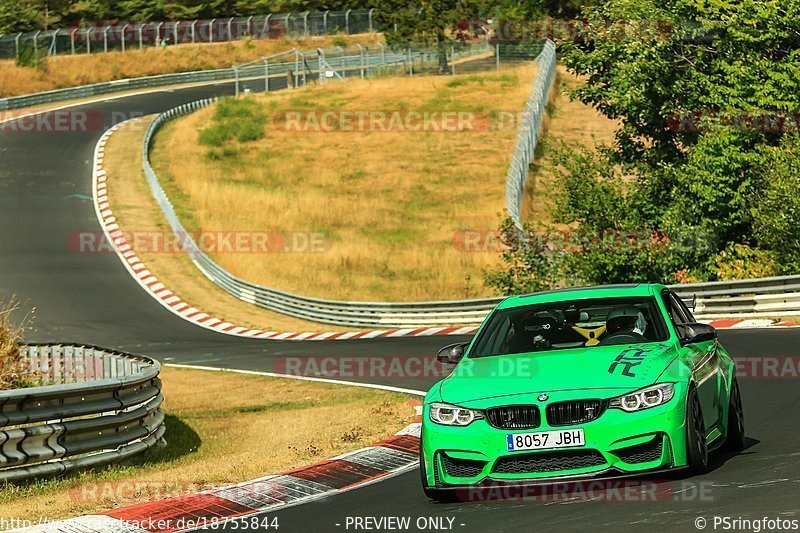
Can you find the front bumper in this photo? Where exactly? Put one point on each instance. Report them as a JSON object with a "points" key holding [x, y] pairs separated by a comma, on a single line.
{"points": [[617, 443]]}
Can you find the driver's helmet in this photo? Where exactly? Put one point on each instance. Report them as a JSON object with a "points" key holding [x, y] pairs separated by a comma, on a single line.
{"points": [[625, 318]]}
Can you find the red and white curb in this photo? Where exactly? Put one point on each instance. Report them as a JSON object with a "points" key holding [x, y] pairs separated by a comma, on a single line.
{"points": [[175, 304], [388, 458]]}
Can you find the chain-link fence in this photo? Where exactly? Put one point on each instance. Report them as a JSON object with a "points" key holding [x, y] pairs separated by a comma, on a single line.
{"points": [[104, 37], [296, 68]]}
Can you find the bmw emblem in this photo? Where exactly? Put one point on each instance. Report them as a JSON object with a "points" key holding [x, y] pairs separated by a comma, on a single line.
{"points": [[543, 397]]}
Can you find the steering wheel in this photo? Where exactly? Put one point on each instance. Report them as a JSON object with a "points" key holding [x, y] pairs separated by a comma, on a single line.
{"points": [[623, 337]]}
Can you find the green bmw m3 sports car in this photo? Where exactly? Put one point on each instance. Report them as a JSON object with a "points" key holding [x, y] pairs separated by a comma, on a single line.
{"points": [[580, 383]]}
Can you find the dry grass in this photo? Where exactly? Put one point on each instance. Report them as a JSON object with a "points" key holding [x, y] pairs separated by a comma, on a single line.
{"points": [[14, 368], [137, 212], [216, 438], [70, 71], [388, 203], [567, 121]]}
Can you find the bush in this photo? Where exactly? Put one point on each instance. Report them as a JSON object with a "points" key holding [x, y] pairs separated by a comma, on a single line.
{"points": [[240, 119], [776, 210], [739, 261]]}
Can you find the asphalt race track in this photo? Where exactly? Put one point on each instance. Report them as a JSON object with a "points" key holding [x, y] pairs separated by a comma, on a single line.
{"points": [[45, 198]]}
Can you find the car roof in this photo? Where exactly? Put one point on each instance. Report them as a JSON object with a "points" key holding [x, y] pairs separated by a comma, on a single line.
{"points": [[620, 290]]}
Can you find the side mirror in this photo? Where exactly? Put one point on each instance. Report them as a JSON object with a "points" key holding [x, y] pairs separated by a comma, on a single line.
{"points": [[452, 353], [698, 333]]}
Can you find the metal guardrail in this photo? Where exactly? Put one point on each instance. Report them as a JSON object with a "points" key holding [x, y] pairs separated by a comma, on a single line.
{"points": [[754, 297], [528, 134], [124, 36], [102, 407]]}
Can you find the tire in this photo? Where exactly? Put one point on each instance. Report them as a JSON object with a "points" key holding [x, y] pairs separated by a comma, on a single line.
{"points": [[696, 445], [734, 440], [437, 495]]}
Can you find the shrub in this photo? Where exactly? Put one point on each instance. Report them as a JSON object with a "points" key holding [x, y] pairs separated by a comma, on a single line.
{"points": [[240, 119], [739, 261]]}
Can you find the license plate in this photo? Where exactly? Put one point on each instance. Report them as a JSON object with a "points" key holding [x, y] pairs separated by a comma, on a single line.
{"points": [[545, 440]]}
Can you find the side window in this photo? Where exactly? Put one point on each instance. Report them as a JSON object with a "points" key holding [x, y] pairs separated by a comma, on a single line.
{"points": [[689, 317], [675, 312]]}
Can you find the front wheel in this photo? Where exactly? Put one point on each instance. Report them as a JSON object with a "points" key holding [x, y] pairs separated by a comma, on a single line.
{"points": [[696, 444], [734, 441]]}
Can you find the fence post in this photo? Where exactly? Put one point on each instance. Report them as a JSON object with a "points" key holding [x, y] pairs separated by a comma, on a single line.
{"points": [[305, 23], [347, 21], [122, 34], [36, 45], [497, 55], [453, 58], [370, 18], [72, 41], [266, 26], [296, 66], [158, 33], [140, 30], [250, 26], [361, 59], [325, 22], [211, 30], [105, 38], [88, 42], [54, 43], [194, 31], [230, 30], [175, 32], [321, 61]]}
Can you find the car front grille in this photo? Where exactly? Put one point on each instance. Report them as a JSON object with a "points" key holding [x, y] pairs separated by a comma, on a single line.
{"points": [[642, 453], [462, 467], [573, 412], [514, 417], [548, 462]]}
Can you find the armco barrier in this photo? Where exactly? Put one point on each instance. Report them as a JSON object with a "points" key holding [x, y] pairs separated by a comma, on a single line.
{"points": [[753, 298], [102, 407]]}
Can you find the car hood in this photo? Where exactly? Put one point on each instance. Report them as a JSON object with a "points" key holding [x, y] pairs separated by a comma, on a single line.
{"points": [[616, 369]]}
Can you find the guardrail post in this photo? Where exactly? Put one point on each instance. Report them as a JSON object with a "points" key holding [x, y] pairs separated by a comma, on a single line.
{"points": [[361, 59], [296, 67], [322, 64], [266, 75], [236, 75]]}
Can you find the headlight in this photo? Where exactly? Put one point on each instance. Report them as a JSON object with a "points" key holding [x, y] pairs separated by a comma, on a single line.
{"points": [[644, 398], [451, 415]]}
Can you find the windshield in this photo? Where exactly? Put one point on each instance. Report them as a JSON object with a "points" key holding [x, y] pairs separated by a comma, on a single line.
{"points": [[571, 324]]}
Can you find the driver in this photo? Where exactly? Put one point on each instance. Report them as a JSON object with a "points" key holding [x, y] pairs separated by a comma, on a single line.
{"points": [[626, 320]]}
